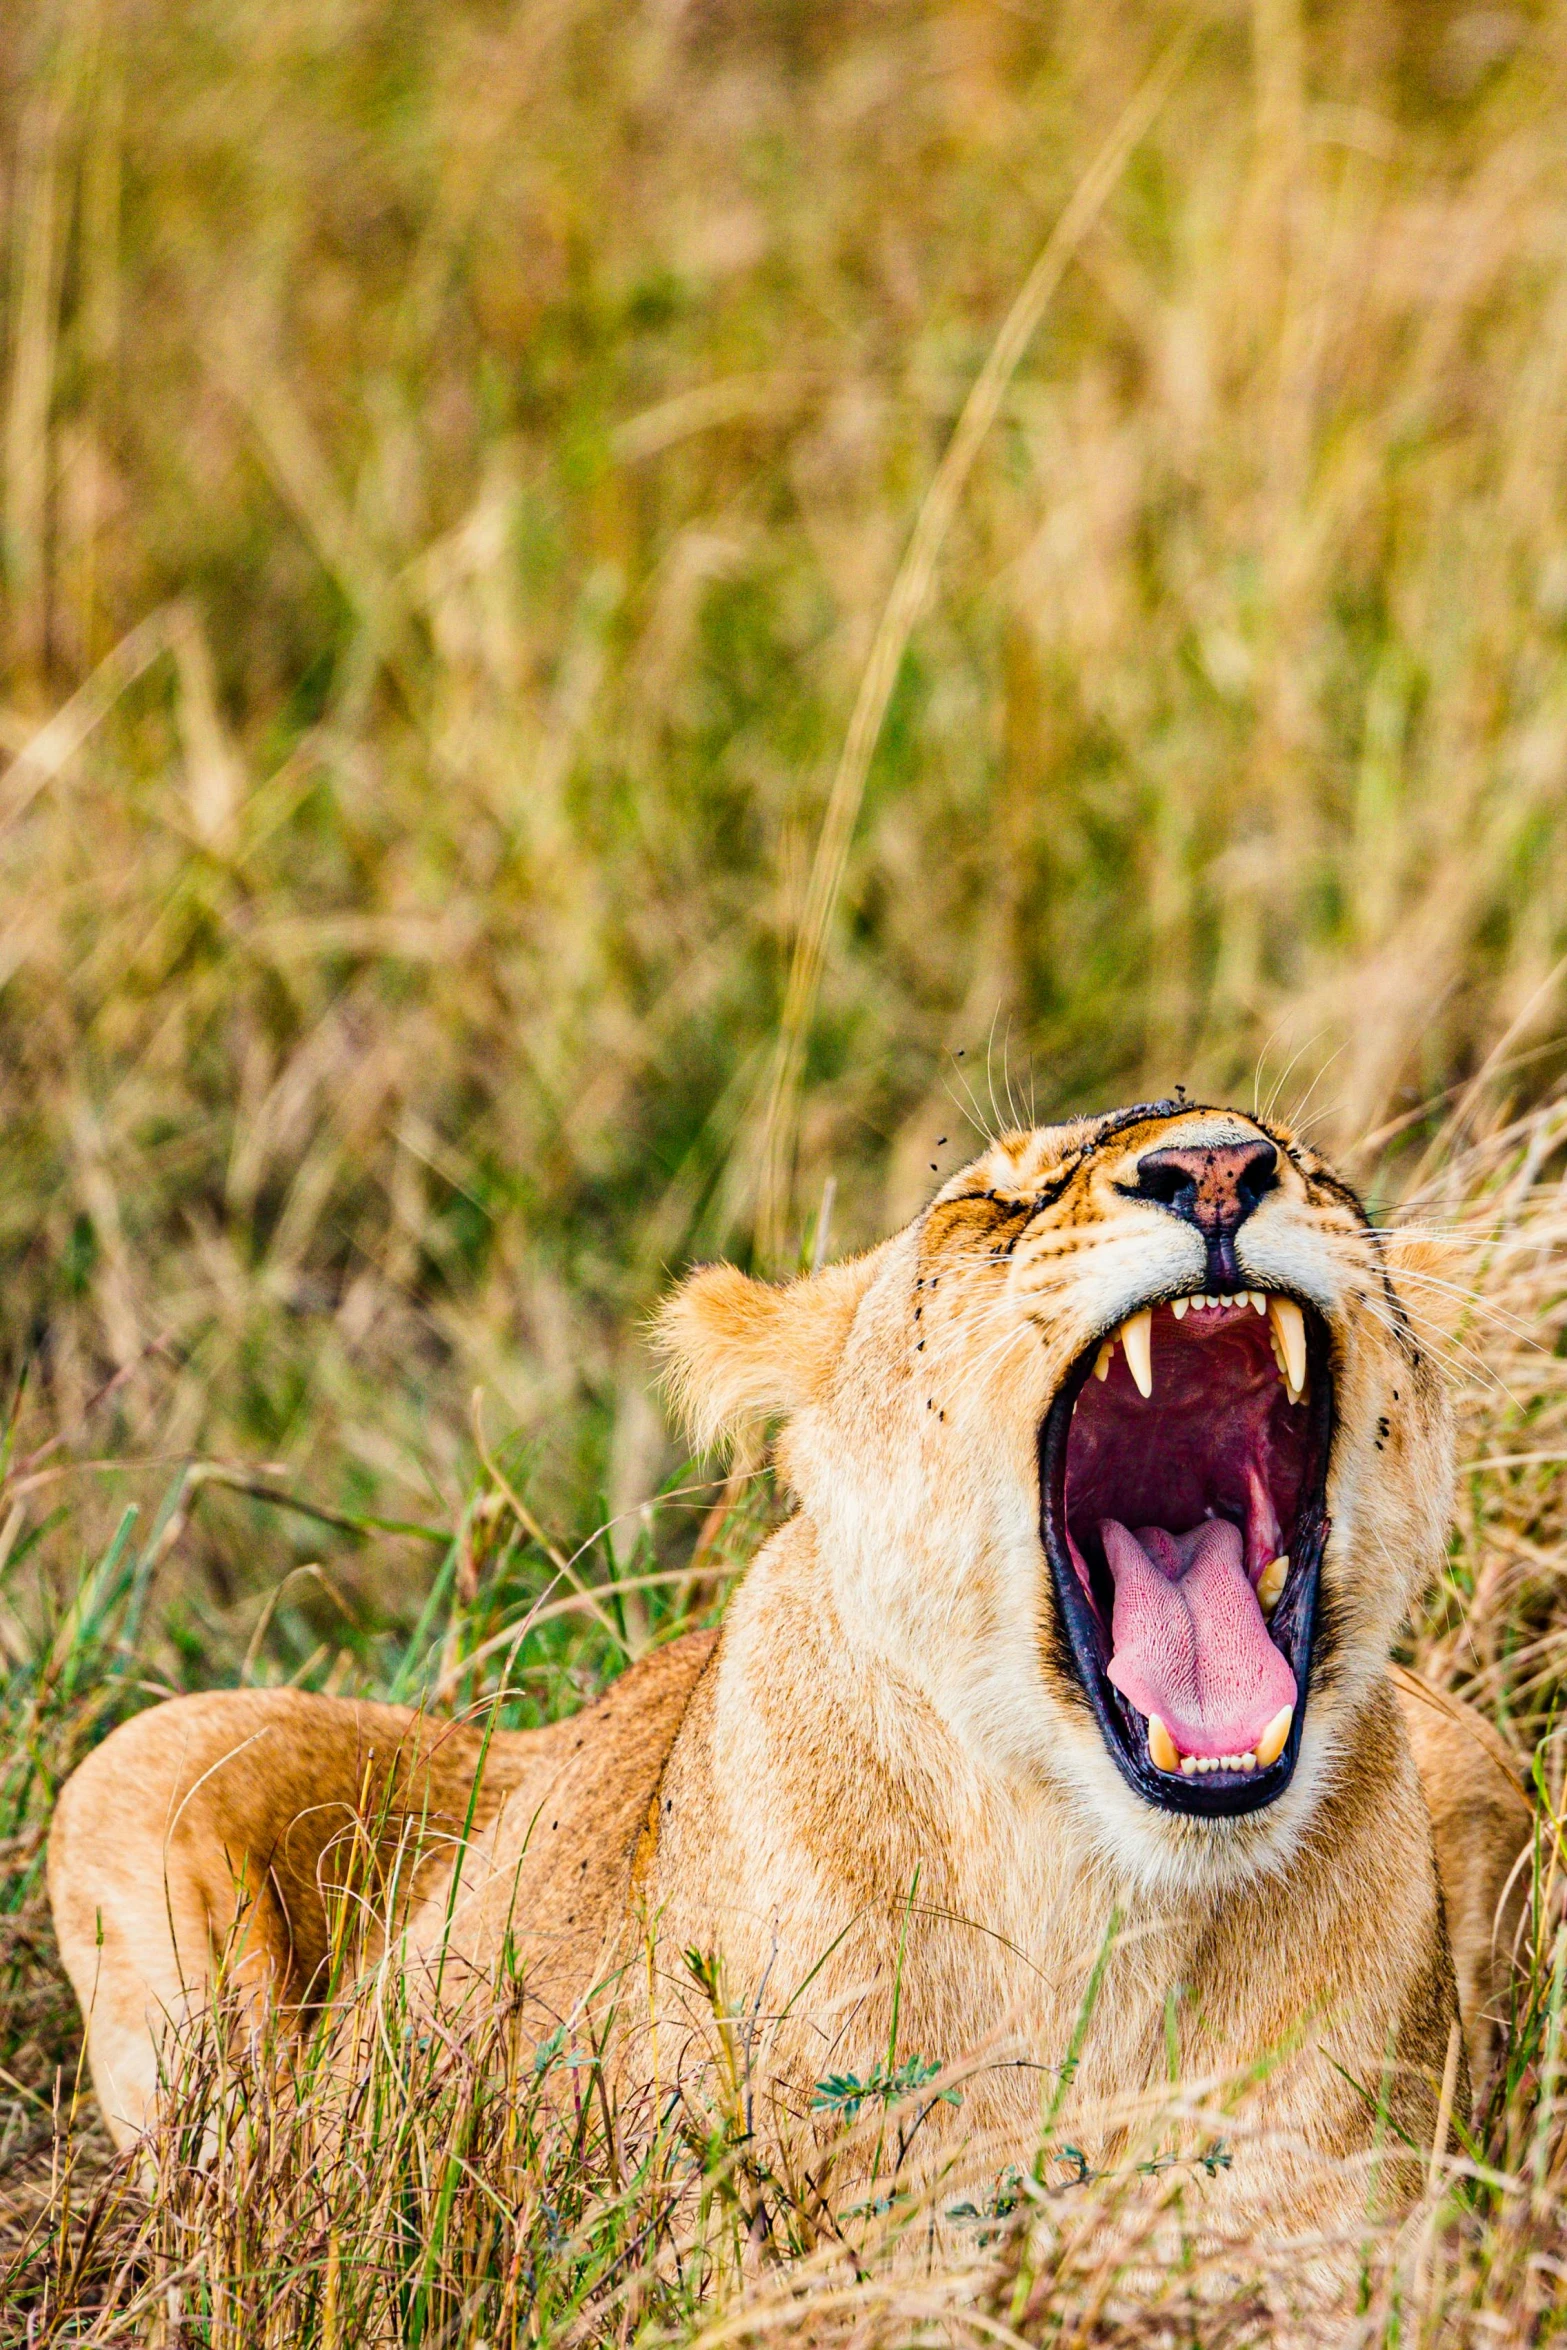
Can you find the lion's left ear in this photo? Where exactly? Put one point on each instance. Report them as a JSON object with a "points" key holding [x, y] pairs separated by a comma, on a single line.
{"points": [[737, 1351]]}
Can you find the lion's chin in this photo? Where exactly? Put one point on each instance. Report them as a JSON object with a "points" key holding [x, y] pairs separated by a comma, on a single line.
{"points": [[1182, 1476]]}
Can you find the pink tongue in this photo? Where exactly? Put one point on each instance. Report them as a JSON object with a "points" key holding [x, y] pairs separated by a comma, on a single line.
{"points": [[1189, 1641]]}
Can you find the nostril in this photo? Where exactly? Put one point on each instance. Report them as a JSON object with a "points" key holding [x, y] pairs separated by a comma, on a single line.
{"points": [[1258, 1177], [1171, 1186]]}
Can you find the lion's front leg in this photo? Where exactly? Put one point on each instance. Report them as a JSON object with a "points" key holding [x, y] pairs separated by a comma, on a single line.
{"points": [[199, 1846]]}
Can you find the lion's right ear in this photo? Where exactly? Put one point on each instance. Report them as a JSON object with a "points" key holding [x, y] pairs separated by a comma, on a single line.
{"points": [[737, 1351]]}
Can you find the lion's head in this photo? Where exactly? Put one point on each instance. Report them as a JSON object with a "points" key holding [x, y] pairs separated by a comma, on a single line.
{"points": [[1128, 1453]]}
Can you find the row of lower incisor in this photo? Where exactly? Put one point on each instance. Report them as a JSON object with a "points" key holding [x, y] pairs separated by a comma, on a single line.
{"points": [[1167, 1756], [1286, 1328]]}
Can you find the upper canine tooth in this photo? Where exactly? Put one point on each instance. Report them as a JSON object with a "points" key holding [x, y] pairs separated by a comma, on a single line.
{"points": [[1270, 1583], [1162, 1746], [1178, 1306], [1271, 1744], [1136, 1335], [1289, 1325]]}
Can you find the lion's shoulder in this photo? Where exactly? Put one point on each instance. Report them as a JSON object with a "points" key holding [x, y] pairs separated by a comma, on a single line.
{"points": [[553, 1871], [1482, 1823]]}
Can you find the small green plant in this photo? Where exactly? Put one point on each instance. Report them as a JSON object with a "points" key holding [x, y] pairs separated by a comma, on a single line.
{"points": [[845, 2093]]}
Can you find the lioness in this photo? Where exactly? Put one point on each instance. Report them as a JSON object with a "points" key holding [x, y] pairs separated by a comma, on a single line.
{"points": [[1117, 1471]]}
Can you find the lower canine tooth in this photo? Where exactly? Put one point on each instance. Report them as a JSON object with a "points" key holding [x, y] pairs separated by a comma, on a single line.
{"points": [[1271, 1744], [1162, 1746], [1136, 1335], [1270, 1583]]}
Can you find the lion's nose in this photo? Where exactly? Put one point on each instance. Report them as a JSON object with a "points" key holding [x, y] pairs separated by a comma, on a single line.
{"points": [[1214, 1186]]}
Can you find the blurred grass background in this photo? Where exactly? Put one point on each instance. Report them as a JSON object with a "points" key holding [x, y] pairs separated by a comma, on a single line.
{"points": [[456, 459]]}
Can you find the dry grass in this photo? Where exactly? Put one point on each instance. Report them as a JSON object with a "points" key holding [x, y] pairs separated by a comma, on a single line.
{"points": [[610, 617], [479, 2193]]}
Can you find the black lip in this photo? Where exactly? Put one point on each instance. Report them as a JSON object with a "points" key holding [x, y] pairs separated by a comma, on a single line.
{"points": [[1218, 1795]]}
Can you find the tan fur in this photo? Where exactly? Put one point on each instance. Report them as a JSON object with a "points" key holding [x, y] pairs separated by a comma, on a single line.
{"points": [[1482, 1821], [882, 1770]]}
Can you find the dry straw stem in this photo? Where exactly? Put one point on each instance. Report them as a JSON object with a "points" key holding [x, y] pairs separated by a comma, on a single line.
{"points": [[910, 592]]}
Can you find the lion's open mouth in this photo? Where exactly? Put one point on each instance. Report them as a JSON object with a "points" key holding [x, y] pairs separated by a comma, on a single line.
{"points": [[1182, 1473]]}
